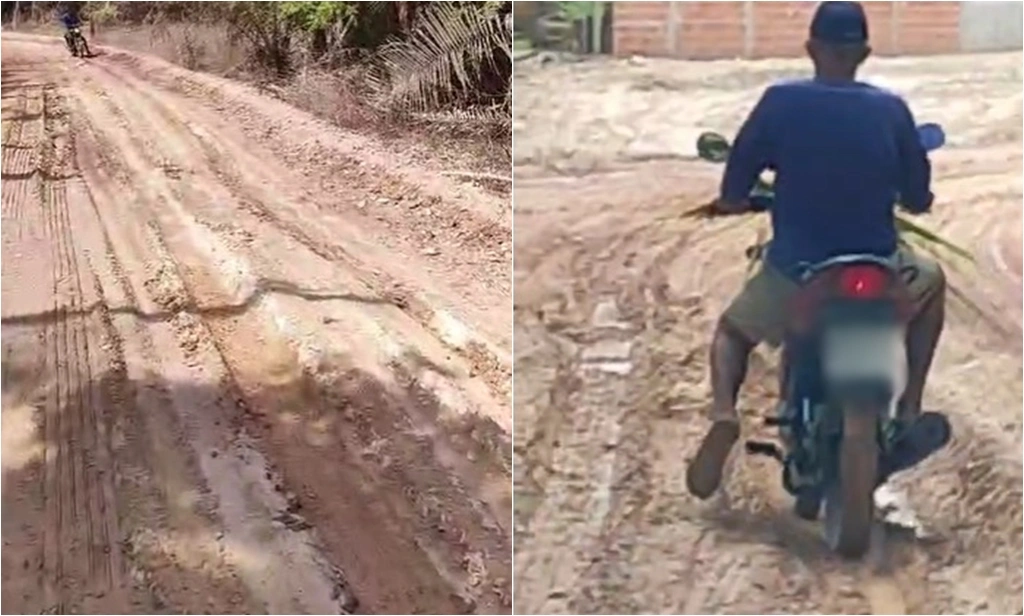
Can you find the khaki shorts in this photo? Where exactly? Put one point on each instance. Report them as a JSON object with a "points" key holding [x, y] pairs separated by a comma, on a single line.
{"points": [[761, 310]]}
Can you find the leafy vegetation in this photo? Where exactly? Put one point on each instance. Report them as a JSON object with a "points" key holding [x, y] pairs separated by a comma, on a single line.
{"points": [[574, 26], [456, 62]]}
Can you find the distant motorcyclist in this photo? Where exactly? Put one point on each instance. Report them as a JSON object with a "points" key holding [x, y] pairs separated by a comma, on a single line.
{"points": [[842, 151], [70, 19]]}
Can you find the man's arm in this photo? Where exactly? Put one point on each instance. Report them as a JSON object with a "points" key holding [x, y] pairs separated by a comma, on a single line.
{"points": [[748, 157], [915, 169]]}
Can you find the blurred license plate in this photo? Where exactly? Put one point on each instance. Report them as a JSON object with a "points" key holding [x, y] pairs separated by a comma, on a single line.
{"points": [[863, 352]]}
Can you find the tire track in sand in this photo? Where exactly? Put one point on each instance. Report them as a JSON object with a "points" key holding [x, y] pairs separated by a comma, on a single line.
{"points": [[18, 159], [81, 538]]}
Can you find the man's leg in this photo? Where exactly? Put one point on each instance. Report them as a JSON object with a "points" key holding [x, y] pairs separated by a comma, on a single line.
{"points": [[730, 351], [928, 291], [758, 313]]}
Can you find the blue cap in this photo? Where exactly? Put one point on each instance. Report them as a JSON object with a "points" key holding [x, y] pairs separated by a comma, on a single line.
{"points": [[839, 23]]}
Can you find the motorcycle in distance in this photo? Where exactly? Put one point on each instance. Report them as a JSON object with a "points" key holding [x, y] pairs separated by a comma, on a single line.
{"points": [[845, 370], [77, 44]]}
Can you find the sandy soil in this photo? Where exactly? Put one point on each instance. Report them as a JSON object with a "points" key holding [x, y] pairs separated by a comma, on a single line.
{"points": [[251, 363], [615, 300]]}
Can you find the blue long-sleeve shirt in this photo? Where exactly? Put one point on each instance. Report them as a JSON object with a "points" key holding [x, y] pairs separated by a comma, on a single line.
{"points": [[842, 154], [70, 20]]}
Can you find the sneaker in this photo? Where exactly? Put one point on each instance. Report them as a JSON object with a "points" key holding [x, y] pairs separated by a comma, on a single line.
{"points": [[705, 471]]}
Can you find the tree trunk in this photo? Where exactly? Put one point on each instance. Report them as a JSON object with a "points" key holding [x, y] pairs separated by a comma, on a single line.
{"points": [[318, 43]]}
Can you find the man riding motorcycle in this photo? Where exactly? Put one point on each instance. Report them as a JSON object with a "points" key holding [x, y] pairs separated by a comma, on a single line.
{"points": [[70, 19], [843, 151]]}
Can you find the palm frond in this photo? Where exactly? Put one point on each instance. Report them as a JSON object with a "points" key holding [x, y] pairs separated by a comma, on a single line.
{"points": [[913, 233], [444, 57]]}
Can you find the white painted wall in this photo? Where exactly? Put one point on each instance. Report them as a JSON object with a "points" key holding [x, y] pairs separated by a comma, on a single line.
{"points": [[991, 26]]}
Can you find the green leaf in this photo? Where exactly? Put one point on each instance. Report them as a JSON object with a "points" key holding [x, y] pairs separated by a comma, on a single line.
{"points": [[578, 11], [316, 15]]}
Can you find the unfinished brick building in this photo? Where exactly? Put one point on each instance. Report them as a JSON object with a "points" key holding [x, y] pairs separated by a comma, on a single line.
{"points": [[710, 30]]}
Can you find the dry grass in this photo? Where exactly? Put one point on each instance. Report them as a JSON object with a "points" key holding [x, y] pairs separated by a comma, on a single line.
{"points": [[199, 47], [334, 95], [338, 95]]}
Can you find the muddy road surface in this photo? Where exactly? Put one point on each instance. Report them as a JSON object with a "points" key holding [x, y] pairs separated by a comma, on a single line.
{"points": [[615, 301], [251, 363]]}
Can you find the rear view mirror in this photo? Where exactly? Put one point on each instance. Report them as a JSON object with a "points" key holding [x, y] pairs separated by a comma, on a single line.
{"points": [[931, 135], [712, 147]]}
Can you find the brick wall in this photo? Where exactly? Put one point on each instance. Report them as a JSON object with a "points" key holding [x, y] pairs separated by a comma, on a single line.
{"points": [[707, 30]]}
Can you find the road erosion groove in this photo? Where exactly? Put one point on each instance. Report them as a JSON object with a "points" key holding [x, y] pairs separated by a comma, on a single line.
{"points": [[232, 383]]}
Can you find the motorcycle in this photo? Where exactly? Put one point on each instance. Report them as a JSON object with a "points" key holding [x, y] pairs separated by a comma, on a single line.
{"points": [[843, 372], [77, 44]]}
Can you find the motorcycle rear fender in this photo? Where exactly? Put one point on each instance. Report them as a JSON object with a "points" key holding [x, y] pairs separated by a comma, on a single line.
{"points": [[819, 292]]}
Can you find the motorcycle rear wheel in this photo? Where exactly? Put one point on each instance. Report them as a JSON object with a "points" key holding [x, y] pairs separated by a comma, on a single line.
{"points": [[849, 504]]}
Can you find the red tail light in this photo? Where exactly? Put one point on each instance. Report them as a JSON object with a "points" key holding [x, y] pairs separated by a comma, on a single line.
{"points": [[863, 282]]}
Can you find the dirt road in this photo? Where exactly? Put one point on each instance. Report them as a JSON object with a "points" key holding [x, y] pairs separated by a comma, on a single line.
{"points": [[251, 363], [615, 300]]}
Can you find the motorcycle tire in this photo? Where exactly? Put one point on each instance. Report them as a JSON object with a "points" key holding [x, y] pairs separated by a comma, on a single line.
{"points": [[849, 503]]}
